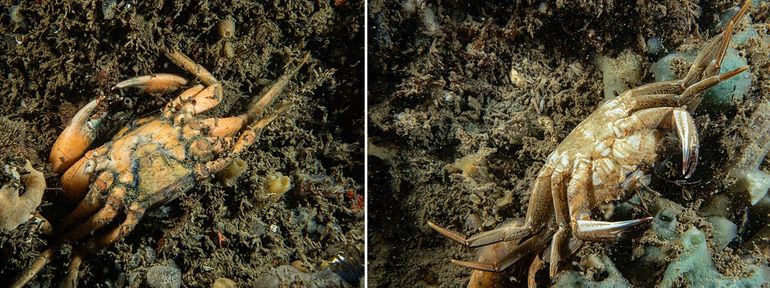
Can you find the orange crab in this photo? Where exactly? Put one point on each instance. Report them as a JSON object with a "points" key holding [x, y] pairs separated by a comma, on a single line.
{"points": [[149, 162], [603, 159]]}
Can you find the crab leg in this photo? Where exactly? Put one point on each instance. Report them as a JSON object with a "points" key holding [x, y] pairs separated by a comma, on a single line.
{"points": [[258, 105], [135, 213], [231, 125], [514, 253], [30, 273], [91, 202], [708, 61], [101, 218], [535, 266], [86, 207], [538, 215], [561, 196], [664, 87], [72, 271], [250, 134], [688, 96], [188, 64], [584, 228], [223, 126], [248, 137]]}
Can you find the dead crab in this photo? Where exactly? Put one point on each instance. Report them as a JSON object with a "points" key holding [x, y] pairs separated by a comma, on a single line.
{"points": [[605, 157], [149, 162]]}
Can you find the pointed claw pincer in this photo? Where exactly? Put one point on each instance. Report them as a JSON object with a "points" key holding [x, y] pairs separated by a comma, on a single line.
{"points": [[155, 83], [75, 139]]}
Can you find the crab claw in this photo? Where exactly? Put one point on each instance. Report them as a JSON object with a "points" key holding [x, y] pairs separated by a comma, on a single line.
{"points": [[160, 82], [602, 230], [75, 139], [688, 136]]}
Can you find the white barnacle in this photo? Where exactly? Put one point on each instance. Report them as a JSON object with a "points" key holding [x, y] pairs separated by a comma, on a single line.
{"points": [[618, 154], [596, 178], [602, 149], [615, 112]]}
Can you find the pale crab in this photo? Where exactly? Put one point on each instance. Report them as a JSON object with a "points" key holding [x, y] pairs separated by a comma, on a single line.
{"points": [[602, 159], [150, 161]]}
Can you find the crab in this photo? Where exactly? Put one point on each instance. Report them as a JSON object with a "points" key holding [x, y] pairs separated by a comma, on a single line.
{"points": [[150, 161], [604, 159]]}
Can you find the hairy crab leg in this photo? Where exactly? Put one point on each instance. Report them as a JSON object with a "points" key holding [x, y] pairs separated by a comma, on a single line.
{"points": [[188, 64], [538, 214], [258, 105], [104, 216], [73, 269], [690, 93], [714, 52], [134, 214], [90, 203], [159, 82], [644, 101], [561, 197], [534, 243], [493, 253], [664, 87], [247, 138], [230, 125], [30, 272]]}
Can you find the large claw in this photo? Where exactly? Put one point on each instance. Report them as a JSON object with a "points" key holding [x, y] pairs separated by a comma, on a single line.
{"points": [[688, 136], [685, 125], [602, 230], [75, 139], [160, 82]]}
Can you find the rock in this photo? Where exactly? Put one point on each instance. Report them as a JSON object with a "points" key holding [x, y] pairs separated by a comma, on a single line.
{"points": [[288, 276], [164, 276], [224, 283], [695, 268]]}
